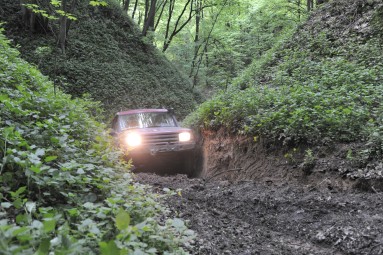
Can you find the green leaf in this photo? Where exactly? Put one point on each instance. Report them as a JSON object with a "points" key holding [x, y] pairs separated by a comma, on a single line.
{"points": [[20, 231], [21, 218], [98, 3], [18, 192], [73, 212], [18, 203], [122, 220], [49, 225], [44, 247], [55, 3], [109, 248], [3, 97], [71, 17], [61, 12], [50, 158], [35, 169]]}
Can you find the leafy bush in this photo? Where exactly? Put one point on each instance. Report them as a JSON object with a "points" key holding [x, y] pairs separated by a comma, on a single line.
{"points": [[312, 102], [62, 186]]}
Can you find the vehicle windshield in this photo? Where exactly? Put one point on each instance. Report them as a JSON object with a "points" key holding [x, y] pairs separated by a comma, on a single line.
{"points": [[146, 120]]}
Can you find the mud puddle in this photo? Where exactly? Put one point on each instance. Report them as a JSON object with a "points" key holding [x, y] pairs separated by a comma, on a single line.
{"points": [[265, 218]]}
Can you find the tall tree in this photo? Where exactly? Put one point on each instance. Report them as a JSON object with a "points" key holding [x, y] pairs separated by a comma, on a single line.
{"points": [[134, 8], [63, 26], [149, 17], [29, 17], [197, 45], [126, 5]]}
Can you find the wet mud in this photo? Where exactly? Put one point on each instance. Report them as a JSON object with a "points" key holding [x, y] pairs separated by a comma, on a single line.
{"points": [[266, 217]]}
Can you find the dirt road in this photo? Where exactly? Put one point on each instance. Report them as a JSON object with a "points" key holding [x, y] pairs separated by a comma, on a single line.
{"points": [[266, 218]]}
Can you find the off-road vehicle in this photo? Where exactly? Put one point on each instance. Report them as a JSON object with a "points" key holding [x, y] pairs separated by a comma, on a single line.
{"points": [[154, 138]]}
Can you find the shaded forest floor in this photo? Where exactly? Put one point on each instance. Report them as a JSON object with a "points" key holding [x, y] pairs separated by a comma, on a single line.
{"points": [[251, 217]]}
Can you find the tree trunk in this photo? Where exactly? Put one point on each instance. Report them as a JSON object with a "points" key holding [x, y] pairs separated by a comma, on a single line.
{"points": [[126, 5], [196, 41], [134, 9], [149, 23], [139, 18], [207, 64], [32, 21], [29, 17], [170, 14], [63, 27], [25, 13], [146, 11], [299, 9]]}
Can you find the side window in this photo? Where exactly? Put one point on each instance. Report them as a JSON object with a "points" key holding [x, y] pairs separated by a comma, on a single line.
{"points": [[175, 120]]}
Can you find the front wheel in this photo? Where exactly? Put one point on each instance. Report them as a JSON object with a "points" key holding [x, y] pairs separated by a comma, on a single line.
{"points": [[189, 163]]}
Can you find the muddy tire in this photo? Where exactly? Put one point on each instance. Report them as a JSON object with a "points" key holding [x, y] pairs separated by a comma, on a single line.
{"points": [[188, 163], [193, 163]]}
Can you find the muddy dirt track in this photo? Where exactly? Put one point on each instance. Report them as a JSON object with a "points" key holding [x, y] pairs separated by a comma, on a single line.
{"points": [[265, 218]]}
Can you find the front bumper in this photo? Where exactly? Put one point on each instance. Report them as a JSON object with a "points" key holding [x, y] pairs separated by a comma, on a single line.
{"points": [[162, 148]]}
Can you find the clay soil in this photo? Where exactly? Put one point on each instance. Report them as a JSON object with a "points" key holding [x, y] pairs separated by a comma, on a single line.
{"points": [[263, 217]]}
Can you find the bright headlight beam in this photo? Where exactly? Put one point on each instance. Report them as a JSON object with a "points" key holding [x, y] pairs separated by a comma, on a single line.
{"points": [[184, 136], [133, 139]]}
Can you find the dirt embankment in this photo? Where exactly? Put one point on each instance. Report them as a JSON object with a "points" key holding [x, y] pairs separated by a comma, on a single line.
{"points": [[237, 158]]}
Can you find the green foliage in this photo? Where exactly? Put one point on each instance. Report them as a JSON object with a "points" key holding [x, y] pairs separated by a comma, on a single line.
{"points": [[315, 100], [63, 189], [316, 88], [299, 113], [225, 45], [107, 58], [309, 161], [52, 12], [55, 9], [98, 3]]}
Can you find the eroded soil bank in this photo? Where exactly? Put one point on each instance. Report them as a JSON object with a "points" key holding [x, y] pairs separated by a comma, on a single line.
{"points": [[238, 158]]}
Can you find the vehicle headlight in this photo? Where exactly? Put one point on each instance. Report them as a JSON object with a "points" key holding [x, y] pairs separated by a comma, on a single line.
{"points": [[133, 139], [184, 136]]}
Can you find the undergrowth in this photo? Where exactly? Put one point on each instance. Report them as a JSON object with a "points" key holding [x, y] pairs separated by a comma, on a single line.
{"points": [[63, 189]]}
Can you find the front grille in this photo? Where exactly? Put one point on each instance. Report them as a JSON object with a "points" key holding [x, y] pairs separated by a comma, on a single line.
{"points": [[158, 139]]}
